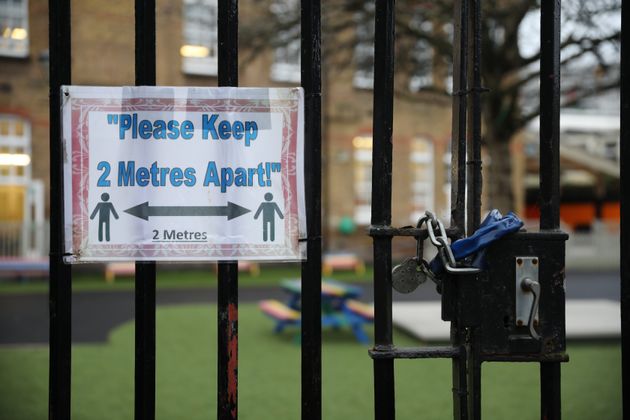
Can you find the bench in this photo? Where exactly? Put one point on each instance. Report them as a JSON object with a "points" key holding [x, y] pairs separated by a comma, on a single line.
{"points": [[128, 269], [281, 313], [360, 309], [342, 261], [112, 270], [23, 267]]}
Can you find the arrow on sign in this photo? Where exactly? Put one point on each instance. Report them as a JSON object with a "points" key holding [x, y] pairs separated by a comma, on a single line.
{"points": [[144, 210]]}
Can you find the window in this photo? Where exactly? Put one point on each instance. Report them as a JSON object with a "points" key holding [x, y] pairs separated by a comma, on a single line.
{"points": [[362, 146], [364, 49], [15, 150], [14, 28], [423, 175], [199, 52], [286, 63]]}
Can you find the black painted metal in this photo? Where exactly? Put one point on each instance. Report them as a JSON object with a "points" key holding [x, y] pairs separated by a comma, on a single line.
{"points": [[381, 204], [550, 114], [227, 341], [450, 305], [312, 267], [624, 162], [227, 315], [145, 341], [481, 307], [60, 295], [458, 133], [550, 169], [474, 119], [145, 277], [499, 335]]}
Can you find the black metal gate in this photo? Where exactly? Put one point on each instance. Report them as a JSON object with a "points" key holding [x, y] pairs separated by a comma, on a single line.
{"points": [[470, 344], [476, 334], [145, 277]]}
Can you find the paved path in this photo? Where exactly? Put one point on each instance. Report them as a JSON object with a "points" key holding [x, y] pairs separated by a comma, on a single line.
{"points": [[24, 318]]}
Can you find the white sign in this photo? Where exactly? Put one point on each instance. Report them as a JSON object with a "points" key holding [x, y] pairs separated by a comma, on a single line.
{"points": [[173, 173]]}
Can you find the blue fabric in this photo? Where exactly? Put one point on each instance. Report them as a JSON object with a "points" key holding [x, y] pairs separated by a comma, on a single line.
{"points": [[493, 227]]}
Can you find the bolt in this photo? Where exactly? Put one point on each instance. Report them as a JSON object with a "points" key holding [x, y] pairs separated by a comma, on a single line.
{"points": [[535, 261], [519, 323], [519, 261]]}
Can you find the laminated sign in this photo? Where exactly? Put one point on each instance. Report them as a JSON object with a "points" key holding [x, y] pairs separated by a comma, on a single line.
{"points": [[173, 173]]}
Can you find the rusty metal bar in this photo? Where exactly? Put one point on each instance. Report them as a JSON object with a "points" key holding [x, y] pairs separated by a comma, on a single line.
{"points": [[227, 317], [550, 385], [381, 204], [227, 342], [312, 268], [145, 276], [624, 162], [60, 295]]}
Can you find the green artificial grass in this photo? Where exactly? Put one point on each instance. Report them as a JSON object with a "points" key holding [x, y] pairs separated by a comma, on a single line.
{"points": [[269, 376], [176, 276]]}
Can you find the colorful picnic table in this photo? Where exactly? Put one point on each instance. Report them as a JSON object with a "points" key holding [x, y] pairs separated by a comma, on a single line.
{"points": [[339, 307]]}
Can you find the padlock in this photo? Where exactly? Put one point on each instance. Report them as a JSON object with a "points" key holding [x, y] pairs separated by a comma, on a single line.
{"points": [[412, 272]]}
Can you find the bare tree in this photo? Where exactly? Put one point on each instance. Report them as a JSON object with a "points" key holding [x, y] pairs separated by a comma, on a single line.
{"points": [[510, 56]]}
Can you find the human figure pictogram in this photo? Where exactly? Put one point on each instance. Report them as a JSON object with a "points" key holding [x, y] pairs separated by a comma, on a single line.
{"points": [[269, 210], [103, 209]]}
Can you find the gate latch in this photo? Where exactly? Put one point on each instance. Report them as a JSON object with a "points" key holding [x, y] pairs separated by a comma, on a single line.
{"points": [[527, 293]]}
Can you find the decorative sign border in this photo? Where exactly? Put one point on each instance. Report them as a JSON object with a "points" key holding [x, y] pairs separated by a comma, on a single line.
{"points": [[78, 247]]}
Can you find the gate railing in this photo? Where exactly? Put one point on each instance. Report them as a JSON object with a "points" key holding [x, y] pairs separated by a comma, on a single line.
{"points": [[460, 302], [145, 277]]}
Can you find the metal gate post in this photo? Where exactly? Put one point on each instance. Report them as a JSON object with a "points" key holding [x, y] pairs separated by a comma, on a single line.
{"points": [[145, 276], [624, 163], [474, 184], [461, 379], [60, 295], [550, 396], [381, 205], [227, 316], [311, 330]]}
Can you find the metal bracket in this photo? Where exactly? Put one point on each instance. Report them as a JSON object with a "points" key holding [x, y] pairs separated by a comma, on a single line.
{"points": [[526, 268]]}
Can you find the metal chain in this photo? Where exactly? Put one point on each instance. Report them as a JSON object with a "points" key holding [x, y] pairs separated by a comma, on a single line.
{"points": [[444, 249]]}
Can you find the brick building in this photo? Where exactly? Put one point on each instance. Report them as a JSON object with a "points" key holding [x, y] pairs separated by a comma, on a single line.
{"points": [[103, 54]]}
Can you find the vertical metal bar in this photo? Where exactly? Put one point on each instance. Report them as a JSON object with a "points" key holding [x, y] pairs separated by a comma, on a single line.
{"points": [[550, 395], [381, 203], [624, 162], [145, 341], [460, 378], [458, 188], [550, 399], [474, 382], [550, 115], [312, 267], [60, 295], [458, 141], [227, 342], [227, 317], [145, 278], [474, 119]]}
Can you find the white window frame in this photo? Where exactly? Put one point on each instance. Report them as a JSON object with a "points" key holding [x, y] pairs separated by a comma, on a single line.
{"points": [[14, 29], [200, 37], [362, 172], [422, 188], [15, 144]]}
